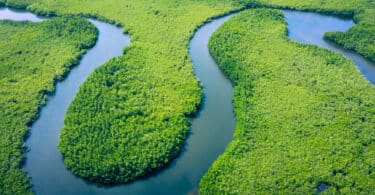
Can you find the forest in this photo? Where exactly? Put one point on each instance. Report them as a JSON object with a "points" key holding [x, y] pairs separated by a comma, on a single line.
{"points": [[33, 56], [131, 117], [305, 116]]}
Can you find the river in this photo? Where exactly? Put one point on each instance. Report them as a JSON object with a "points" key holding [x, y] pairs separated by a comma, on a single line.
{"points": [[211, 130]]}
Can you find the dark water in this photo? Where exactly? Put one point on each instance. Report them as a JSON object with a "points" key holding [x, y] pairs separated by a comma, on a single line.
{"points": [[211, 130], [310, 28]]}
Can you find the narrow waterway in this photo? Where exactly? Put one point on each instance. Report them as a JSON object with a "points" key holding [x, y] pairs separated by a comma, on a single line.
{"points": [[211, 130]]}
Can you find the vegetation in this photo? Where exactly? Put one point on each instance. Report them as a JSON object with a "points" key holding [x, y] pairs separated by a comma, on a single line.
{"points": [[139, 101], [305, 116], [32, 57], [120, 127]]}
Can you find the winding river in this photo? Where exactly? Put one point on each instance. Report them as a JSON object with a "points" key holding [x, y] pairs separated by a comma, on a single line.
{"points": [[211, 130]]}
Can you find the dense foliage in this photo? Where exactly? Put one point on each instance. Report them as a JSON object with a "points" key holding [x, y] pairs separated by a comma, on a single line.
{"points": [[120, 127], [155, 77], [32, 57], [305, 116]]}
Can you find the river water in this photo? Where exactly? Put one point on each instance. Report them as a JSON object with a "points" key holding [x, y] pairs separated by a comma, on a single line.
{"points": [[211, 130]]}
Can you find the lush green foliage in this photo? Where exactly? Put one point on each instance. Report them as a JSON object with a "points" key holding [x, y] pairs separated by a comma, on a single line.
{"points": [[305, 116], [32, 57], [129, 117], [359, 38], [120, 127], [154, 76]]}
